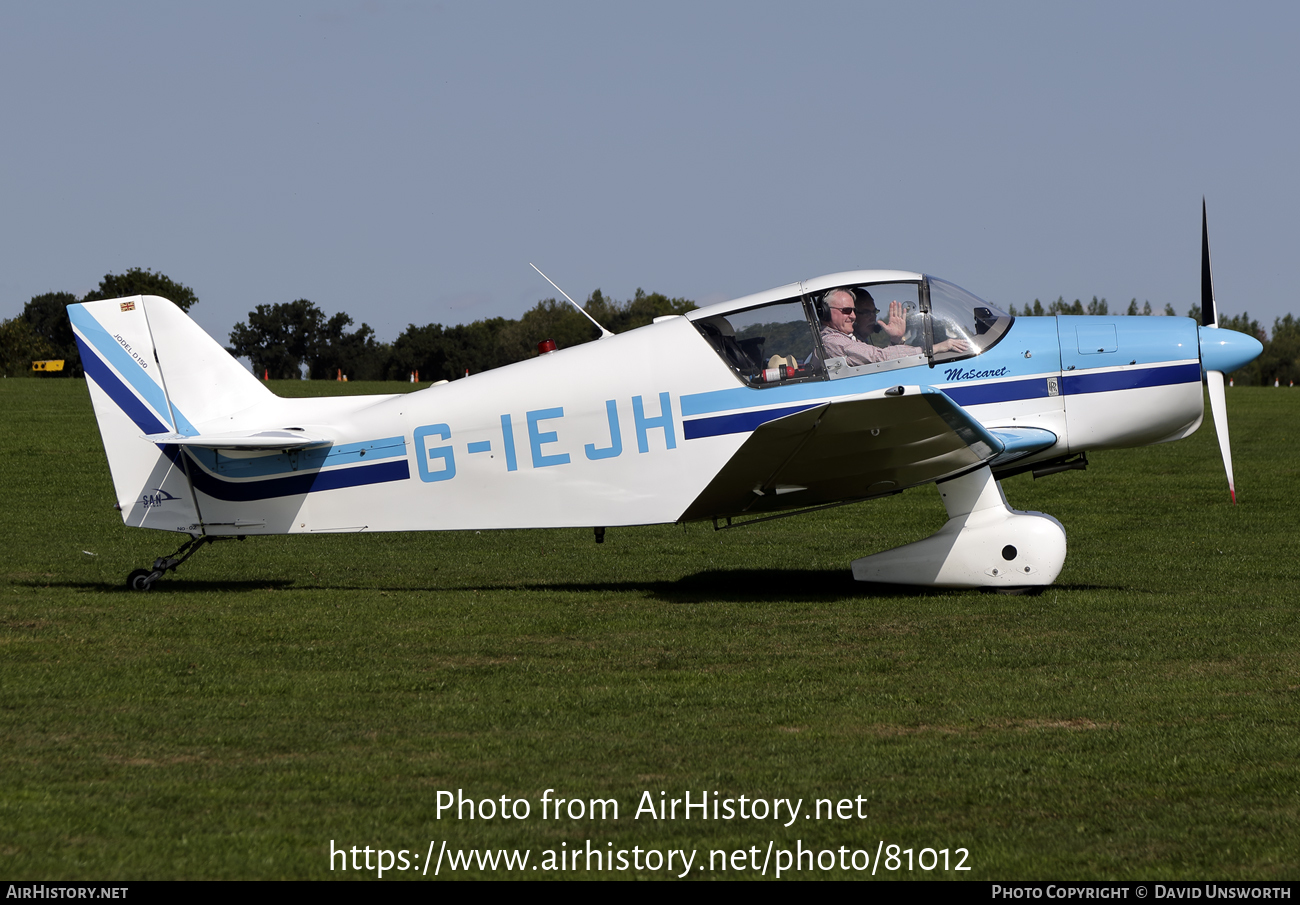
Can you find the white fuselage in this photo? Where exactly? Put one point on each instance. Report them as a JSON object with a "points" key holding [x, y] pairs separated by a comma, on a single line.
{"points": [[625, 430]]}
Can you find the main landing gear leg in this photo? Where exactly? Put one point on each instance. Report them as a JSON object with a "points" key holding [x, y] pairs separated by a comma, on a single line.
{"points": [[984, 544], [143, 579]]}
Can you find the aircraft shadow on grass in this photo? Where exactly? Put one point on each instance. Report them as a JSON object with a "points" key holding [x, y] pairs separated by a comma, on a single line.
{"points": [[761, 585], [235, 586], [712, 586]]}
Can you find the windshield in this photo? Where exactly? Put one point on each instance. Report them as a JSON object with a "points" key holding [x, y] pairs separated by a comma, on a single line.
{"points": [[956, 314]]}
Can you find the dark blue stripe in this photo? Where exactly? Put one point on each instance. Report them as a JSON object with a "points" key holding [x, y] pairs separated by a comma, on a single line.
{"points": [[735, 424], [1074, 384], [986, 393], [1078, 384], [215, 459], [126, 400], [296, 485]]}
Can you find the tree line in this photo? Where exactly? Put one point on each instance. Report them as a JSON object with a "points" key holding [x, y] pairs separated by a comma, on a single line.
{"points": [[294, 339], [286, 340], [290, 340]]}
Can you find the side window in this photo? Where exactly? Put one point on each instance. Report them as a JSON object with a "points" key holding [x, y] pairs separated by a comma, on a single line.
{"points": [[866, 328], [766, 346]]}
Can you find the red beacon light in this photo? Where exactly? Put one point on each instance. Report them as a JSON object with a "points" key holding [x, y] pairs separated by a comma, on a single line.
{"points": [[546, 347]]}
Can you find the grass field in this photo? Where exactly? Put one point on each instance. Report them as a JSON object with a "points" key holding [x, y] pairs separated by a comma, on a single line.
{"points": [[1140, 719]]}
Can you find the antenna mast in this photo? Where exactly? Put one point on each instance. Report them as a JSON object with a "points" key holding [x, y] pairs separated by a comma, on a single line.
{"points": [[581, 310]]}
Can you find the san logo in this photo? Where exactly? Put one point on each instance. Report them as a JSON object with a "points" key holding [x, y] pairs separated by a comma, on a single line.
{"points": [[155, 499]]}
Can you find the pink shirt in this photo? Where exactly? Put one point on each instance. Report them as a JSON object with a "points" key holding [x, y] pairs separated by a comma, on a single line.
{"points": [[856, 352]]}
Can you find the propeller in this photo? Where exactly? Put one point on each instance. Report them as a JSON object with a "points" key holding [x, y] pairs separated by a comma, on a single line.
{"points": [[1214, 379]]}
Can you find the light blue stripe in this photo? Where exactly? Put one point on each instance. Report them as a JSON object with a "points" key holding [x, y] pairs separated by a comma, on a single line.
{"points": [[777, 396], [822, 390], [372, 449], [312, 459], [128, 367]]}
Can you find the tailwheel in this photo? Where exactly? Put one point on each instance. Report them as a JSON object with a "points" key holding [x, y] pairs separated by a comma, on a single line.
{"points": [[140, 580], [143, 579]]}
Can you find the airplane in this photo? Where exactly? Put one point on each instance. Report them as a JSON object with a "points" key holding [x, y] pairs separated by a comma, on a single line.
{"points": [[732, 413]]}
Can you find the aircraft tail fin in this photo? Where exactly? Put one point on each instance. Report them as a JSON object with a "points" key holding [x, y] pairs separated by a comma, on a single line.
{"points": [[152, 370]]}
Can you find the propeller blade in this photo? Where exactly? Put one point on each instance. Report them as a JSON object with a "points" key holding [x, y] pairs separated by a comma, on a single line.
{"points": [[1214, 379], [1209, 315], [1219, 408]]}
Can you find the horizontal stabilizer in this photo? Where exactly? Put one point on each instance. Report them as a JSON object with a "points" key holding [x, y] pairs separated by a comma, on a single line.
{"points": [[283, 438]]}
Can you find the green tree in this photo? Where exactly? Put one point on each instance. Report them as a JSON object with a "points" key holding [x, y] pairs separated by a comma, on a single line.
{"points": [[1098, 307], [137, 281], [333, 350], [20, 345], [1133, 308], [47, 315], [419, 349], [446, 353], [278, 339], [638, 311], [281, 339], [475, 347], [1061, 306], [1280, 360], [548, 319]]}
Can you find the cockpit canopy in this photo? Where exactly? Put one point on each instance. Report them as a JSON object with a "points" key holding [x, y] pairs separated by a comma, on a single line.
{"points": [[848, 324]]}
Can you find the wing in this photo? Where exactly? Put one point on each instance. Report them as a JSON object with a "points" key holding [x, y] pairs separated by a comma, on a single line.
{"points": [[857, 448]]}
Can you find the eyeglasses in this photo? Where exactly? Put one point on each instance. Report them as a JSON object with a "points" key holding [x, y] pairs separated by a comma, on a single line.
{"points": [[846, 311], [871, 311]]}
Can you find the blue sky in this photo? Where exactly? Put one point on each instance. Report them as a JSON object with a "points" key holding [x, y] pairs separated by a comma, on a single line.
{"points": [[403, 162]]}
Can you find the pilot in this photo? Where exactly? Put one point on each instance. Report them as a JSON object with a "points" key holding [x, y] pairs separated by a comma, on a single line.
{"points": [[839, 313], [867, 327]]}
